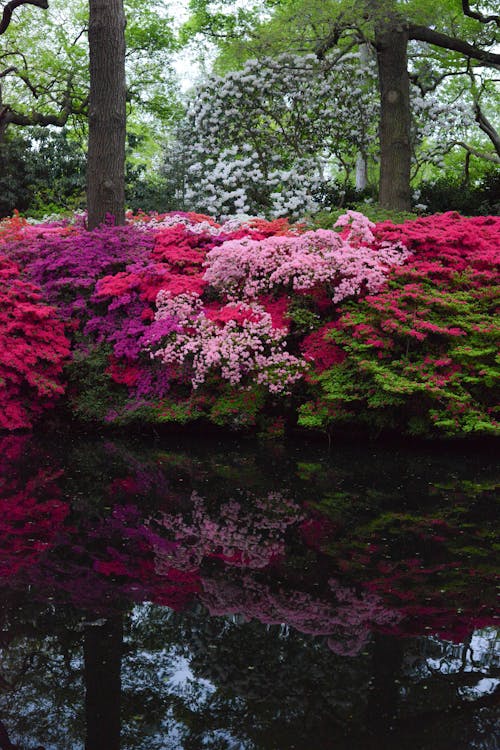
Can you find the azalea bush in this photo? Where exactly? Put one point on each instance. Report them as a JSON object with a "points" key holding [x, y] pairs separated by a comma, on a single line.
{"points": [[33, 349], [422, 354]]}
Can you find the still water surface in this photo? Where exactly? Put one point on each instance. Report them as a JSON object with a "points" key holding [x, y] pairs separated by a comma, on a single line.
{"points": [[193, 594]]}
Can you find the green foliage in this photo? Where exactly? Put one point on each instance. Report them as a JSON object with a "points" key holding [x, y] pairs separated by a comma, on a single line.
{"points": [[443, 384], [449, 193], [57, 165], [224, 407], [182, 411], [15, 189], [303, 314], [91, 391], [375, 212], [237, 409], [41, 172], [144, 190], [45, 81]]}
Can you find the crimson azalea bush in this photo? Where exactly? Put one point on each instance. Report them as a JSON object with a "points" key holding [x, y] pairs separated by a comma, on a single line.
{"points": [[33, 349], [176, 318]]}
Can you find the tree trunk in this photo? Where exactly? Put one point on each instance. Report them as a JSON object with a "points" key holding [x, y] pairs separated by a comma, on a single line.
{"points": [[361, 172], [361, 158], [107, 113], [395, 150]]}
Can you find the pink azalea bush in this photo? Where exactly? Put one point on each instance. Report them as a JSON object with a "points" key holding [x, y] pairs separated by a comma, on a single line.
{"points": [[345, 263], [235, 342]]}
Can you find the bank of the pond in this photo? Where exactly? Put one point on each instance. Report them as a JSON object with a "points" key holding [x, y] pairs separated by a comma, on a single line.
{"points": [[257, 327]]}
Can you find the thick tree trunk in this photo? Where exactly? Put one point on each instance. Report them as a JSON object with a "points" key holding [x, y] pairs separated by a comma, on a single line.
{"points": [[107, 113], [395, 150]]}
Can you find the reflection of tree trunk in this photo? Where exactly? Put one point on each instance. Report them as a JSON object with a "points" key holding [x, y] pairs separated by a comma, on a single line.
{"points": [[5, 743], [387, 663], [391, 41], [102, 650]]}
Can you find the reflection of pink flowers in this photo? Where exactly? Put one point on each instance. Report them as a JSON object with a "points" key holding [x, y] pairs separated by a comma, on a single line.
{"points": [[346, 620], [241, 537]]}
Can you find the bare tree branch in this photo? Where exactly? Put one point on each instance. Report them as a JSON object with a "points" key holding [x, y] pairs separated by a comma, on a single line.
{"points": [[9, 116], [5, 743], [23, 77], [477, 15], [476, 152], [7, 71], [12, 5], [426, 87], [483, 122], [330, 41], [424, 34], [487, 127]]}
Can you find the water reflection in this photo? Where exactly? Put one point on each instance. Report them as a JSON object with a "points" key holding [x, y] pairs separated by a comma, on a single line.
{"points": [[245, 598]]}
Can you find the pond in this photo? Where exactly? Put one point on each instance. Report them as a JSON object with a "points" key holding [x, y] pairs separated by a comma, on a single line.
{"points": [[184, 594]]}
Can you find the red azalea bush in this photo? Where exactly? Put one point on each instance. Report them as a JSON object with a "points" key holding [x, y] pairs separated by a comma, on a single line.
{"points": [[33, 349]]}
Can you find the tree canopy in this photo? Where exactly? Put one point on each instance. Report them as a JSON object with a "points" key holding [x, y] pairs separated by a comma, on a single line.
{"points": [[452, 56]]}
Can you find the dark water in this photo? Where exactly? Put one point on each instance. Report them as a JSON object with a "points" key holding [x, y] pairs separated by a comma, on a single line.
{"points": [[213, 595]]}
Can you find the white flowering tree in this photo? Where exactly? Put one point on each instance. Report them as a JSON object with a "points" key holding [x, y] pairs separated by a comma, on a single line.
{"points": [[263, 139], [457, 42]]}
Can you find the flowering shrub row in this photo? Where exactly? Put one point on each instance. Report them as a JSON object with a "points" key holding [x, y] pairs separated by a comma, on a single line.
{"points": [[175, 318]]}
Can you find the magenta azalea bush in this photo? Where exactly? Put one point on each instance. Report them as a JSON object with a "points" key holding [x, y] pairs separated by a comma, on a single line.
{"points": [[258, 324]]}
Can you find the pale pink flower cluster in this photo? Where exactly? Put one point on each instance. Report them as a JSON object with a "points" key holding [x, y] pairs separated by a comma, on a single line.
{"points": [[236, 349], [359, 227], [346, 617], [247, 268], [249, 534]]}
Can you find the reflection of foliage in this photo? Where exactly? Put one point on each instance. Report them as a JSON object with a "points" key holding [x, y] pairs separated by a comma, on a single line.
{"points": [[163, 526], [271, 589], [186, 678]]}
